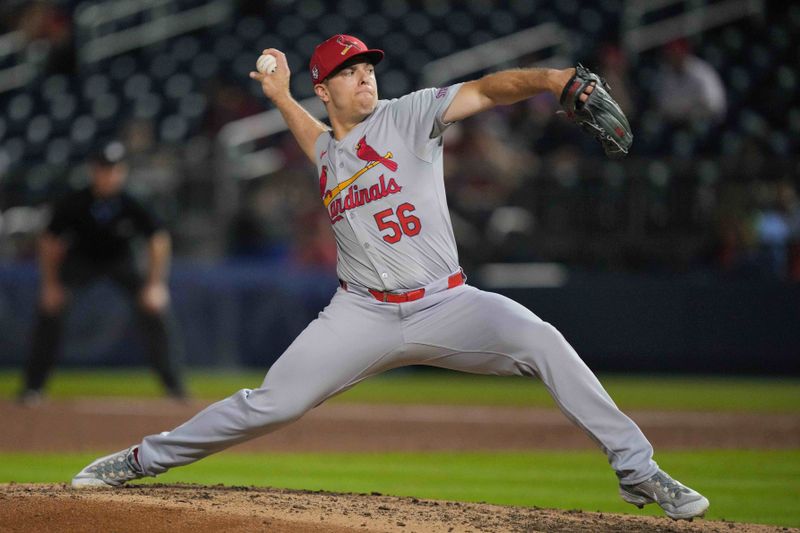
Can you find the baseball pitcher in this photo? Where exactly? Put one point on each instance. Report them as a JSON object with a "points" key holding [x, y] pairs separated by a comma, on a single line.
{"points": [[379, 171]]}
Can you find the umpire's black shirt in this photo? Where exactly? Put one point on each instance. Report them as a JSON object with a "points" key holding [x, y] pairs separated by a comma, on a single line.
{"points": [[101, 229]]}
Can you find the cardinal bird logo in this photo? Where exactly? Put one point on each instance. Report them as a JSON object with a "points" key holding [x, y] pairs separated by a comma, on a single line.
{"points": [[367, 153], [323, 181]]}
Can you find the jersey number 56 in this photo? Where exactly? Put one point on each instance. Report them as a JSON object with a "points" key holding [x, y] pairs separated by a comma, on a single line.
{"points": [[407, 224]]}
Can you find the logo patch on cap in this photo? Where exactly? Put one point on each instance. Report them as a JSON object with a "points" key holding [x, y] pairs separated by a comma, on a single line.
{"points": [[347, 43], [329, 55]]}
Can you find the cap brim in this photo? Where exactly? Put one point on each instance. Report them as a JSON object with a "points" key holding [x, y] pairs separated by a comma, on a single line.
{"points": [[374, 56]]}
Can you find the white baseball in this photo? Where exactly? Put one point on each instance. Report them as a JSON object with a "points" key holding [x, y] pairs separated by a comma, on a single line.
{"points": [[266, 64]]}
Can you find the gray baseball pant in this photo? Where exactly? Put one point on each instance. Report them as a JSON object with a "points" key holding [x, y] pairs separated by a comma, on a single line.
{"points": [[356, 337]]}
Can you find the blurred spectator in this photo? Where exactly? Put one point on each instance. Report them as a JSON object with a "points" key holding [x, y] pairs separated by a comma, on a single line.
{"points": [[313, 243], [229, 102], [89, 237], [262, 227], [46, 127], [787, 197], [487, 169], [688, 88], [249, 239], [44, 21], [777, 226], [732, 248], [489, 160], [155, 170]]}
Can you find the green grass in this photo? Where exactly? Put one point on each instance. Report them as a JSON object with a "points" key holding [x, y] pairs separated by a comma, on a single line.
{"points": [[440, 387], [743, 486]]}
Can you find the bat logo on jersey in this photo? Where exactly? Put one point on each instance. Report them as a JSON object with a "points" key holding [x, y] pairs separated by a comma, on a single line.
{"points": [[355, 197], [366, 153]]}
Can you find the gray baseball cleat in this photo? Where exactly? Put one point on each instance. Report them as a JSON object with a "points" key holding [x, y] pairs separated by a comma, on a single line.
{"points": [[678, 501], [110, 471]]}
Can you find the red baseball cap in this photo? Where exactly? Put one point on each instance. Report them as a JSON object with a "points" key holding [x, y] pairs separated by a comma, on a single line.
{"points": [[335, 51]]}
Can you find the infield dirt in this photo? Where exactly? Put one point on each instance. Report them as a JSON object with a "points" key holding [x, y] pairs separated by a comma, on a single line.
{"points": [[110, 424]]}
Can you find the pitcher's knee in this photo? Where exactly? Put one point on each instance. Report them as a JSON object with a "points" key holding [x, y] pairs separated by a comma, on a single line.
{"points": [[267, 407], [538, 335], [542, 341], [289, 412]]}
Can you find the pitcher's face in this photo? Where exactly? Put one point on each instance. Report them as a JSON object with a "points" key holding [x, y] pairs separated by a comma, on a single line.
{"points": [[352, 91]]}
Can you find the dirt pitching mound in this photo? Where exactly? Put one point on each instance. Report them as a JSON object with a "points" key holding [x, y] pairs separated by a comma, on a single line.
{"points": [[202, 509]]}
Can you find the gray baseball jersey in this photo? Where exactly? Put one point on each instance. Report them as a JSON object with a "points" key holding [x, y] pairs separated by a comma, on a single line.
{"points": [[402, 290], [383, 187]]}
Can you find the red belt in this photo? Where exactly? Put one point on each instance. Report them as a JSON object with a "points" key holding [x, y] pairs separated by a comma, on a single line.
{"points": [[398, 298]]}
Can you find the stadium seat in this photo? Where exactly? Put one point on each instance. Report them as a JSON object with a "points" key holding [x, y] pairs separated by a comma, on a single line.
{"points": [[193, 106], [56, 118], [590, 21], [417, 24], [311, 9], [291, 27], [250, 29], [204, 65], [395, 9], [163, 66], [137, 86], [524, 8], [58, 151], [395, 83], [105, 107], [148, 106], [502, 22], [122, 68], [352, 9], [19, 109], [62, 108], [83, 130], [186, 49], [173, 128], [39, 129], [54, 85], [459, 23], [178, 86]]}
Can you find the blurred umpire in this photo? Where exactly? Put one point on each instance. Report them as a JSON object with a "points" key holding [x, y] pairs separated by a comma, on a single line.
{"points": [[91, 236]]}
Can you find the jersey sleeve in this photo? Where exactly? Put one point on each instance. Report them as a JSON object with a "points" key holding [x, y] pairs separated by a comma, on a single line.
{"points": [[320, 145], [418, 117]]}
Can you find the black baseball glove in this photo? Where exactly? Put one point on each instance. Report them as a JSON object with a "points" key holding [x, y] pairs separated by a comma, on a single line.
{"points": [[599, 115]]}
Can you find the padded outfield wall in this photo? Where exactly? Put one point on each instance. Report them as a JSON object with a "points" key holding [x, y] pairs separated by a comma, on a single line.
{"points": [[240, 315]]}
